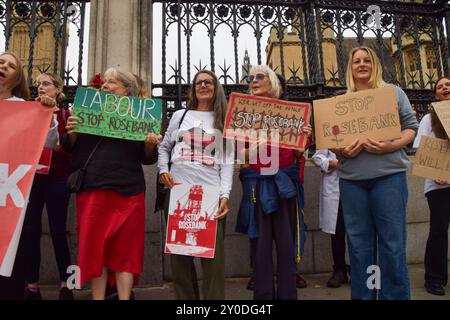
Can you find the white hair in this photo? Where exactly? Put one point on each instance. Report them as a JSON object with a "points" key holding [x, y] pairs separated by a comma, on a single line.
{"points": [[274, 82]]}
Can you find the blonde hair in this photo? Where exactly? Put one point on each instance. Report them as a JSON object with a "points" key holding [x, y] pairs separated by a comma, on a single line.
{"points": [[376, 76], [274, 82], [127, 78]]}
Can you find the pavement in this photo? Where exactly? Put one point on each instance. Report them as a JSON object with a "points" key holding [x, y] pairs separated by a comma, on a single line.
{"points": [[236, 289]]}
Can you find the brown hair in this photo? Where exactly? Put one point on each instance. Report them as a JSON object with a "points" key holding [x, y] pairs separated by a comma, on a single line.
{"points": [[20, 88], [218, 103], [142, 87], [436, 124], [58, 83]]}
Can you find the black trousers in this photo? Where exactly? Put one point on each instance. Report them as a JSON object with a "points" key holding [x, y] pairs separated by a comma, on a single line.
{"points": [[51, 192], [338, 243], [436, 254], [277, 226], [12, 288]]}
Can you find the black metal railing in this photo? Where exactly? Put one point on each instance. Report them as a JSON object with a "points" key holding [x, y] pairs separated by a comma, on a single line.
{"points": [[39, 31], [409, 38]]}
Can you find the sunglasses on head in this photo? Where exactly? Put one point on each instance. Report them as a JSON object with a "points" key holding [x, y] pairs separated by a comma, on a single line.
{"points": [[258, 77], [207, 83]]}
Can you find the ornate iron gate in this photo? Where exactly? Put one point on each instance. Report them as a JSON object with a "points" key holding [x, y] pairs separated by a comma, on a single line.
{"points": [[410, 38], [27, 24]]}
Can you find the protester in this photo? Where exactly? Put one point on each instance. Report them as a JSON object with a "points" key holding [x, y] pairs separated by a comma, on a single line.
{"points": [[111, 289], [300, 281], [49, 190], [374, 192], [13, 87], [437, 193], [330, 214], [263, 214], [111, 202], [206, 109]]}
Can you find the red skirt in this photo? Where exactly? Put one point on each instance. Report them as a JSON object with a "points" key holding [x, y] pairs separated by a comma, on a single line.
{"points": [[110, 228]]}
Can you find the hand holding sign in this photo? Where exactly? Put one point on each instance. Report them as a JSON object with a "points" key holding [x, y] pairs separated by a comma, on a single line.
{"points": [[48, 102], [167, 180], [378, 147], [153, 139], [223, 209], [71, 123], [441, 182]]}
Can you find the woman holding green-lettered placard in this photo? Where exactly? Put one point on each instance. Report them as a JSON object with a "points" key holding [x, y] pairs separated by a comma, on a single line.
{"points": [[110, 203]]}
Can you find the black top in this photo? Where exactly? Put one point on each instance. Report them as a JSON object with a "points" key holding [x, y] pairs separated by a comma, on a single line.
{"points": [[116, 164]]}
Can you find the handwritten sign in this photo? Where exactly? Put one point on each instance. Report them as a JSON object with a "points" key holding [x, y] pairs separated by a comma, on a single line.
{"points": [[191, 227], [338, 121], [432, 159], [442, 109], [248, 115], [109, 115]]}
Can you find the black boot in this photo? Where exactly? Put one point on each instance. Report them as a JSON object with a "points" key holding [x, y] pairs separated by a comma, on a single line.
{"points": [[338, 278]]}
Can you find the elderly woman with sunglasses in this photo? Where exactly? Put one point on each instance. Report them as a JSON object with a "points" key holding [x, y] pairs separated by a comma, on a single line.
{"points": [[272, 196]]}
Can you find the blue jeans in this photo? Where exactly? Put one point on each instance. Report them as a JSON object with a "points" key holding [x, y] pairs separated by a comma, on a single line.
{"points": [[375, 217]]}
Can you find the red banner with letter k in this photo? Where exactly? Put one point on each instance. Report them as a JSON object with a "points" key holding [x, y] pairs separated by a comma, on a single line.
{"points": [[23, 130]]}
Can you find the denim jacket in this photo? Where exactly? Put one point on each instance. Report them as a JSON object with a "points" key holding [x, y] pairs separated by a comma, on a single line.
{"points": [[285, 184]]}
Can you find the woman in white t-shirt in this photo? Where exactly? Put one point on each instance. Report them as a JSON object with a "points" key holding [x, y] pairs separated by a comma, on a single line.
{"points": [[438, 195], [190, 145]]}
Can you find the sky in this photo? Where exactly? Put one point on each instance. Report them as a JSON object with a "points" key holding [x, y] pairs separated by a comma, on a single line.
{"points": [[72, 49], [200, 48]]}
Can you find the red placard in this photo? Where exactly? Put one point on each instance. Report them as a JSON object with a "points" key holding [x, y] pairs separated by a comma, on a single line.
{"points": [[191, 227], [248, 115], [23, 129]]}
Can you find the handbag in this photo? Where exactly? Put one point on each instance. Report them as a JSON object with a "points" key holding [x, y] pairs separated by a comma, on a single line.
{"points": [[161, 191], [75, 179]]}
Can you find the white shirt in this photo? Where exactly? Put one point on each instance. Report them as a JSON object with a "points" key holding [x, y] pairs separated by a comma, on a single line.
{"points": [[193, 152], [52, 136], [329, 191], [425, 129]]}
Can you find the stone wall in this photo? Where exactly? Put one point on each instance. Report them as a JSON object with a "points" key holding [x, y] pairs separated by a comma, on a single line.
{"points": [[318, 246]]}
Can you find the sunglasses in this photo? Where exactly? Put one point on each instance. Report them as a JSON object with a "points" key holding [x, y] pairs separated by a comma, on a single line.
{"points": [[258, 77], [207, 83]]}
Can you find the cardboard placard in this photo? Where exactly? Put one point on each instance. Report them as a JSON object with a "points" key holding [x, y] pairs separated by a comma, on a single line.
{"points": [[442, 109], [248, 115], [110, 115], [432, 159], [340, 120], [191, 227]]}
